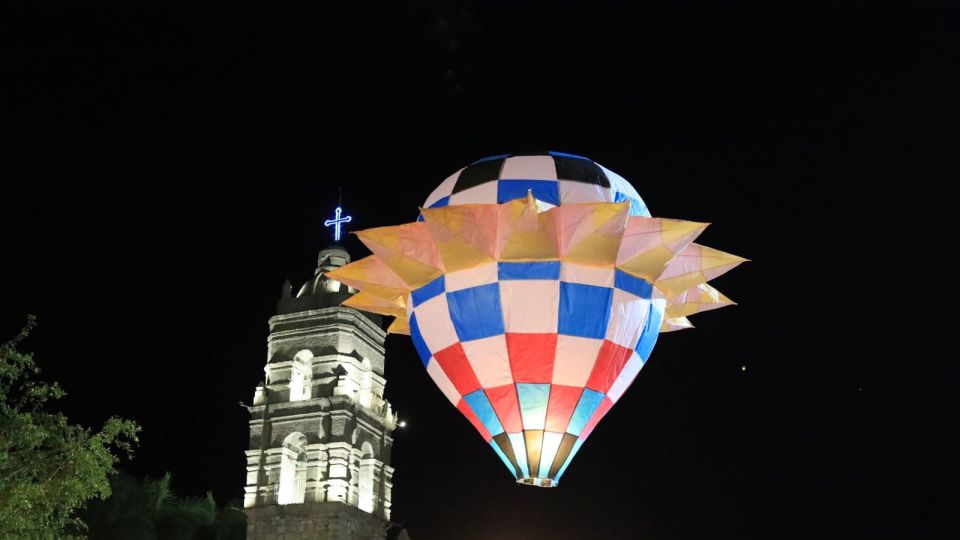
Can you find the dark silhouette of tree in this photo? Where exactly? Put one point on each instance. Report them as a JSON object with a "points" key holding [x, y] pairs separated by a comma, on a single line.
{"points": [[49, 468], [149, 510]]}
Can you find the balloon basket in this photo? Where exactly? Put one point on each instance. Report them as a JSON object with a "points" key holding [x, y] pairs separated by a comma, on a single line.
{"points": [[539, 482]]}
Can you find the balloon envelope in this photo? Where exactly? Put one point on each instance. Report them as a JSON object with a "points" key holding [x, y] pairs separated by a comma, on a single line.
{"points": [[533, 315]]}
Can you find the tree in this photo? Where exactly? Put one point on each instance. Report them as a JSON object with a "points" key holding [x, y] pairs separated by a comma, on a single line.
{"points": [[49, 468], [149, 510]]}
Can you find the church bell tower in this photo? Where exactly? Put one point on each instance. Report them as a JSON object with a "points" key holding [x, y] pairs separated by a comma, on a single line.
{"points": [[318, 465]]}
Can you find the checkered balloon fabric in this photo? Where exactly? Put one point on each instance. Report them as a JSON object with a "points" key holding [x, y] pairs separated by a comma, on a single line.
{"points": [[533, 315], [534, 354], [553, 178]]}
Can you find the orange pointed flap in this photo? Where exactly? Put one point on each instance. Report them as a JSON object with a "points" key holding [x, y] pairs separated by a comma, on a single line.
{"points": [[588, 233], [650, 243], [365, 301], [400, 325], [465, 235], [407, 249], [694, 265], [369, 274], [701, 298], [520, 236], [678, 323]]}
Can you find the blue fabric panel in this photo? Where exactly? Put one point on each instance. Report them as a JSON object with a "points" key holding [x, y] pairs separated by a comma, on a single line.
{"points": [[533, 400], [561, 154], [503, 457], [476, 312], [484, 410], [632, 284], [428, 291], [418, 343], [589, 401], [584, 310], [638, 208], [648, 338], [528, 270], [533, 404], [573, 452], [490, 158], [544, 190], [420, 217], [441, 203]]}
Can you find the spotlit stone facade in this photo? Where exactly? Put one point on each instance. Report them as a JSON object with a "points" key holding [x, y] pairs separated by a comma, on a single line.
{"points": [[320, 428]]}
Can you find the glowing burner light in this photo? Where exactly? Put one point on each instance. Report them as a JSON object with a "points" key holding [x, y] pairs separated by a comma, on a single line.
{"points": [[336, 221]]}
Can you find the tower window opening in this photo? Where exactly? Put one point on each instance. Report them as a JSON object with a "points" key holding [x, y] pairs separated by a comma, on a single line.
{"points": [[293, 470], [300, 376], [365, 487]]}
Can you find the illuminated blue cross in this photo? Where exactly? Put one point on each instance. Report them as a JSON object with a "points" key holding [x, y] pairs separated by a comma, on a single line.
{"points": [[336, 221]]}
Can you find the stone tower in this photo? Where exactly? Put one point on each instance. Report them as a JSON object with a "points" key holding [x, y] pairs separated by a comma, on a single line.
{"points": [[318, 466]]}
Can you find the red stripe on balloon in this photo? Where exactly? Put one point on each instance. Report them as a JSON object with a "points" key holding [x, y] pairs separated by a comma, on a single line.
{"points": [[505, 404], [454, 363], [464, 408], [531, 357], [609, 364], [563, 400]]}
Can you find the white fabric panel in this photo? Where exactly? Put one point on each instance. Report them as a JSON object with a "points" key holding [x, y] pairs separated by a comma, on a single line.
{"points": [[544, 206], [534, 417], [485, 193], [580, 192], [530, 306], [471, 277], [629, 373], [628, 313], [443, 382], [433, 318], [574, 360], [445, 188], [529, 168], [587, 275], [519, 451], [551, 442], [620, 183], [489, 360]]}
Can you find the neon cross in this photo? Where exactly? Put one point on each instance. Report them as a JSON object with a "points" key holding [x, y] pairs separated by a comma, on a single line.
{"points": [[336, 221]]}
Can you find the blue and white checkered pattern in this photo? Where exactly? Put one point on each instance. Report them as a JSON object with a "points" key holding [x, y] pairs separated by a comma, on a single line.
{"points": [[583, 306], [534, 353], [554, 178]]}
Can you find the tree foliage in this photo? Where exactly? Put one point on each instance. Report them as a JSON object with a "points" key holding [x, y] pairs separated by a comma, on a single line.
{"points": [[149, 510], [48, 467]]}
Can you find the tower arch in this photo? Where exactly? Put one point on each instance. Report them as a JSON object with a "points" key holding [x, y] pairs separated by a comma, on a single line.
{"points": [[293, 469], [301, 376], [366, 499]]}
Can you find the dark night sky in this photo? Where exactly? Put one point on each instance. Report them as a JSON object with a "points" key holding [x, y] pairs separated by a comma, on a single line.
{"points": [[169, 164]]}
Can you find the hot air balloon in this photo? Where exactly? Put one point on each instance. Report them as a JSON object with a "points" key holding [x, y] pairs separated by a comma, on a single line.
{"points": [[534, 288]]}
